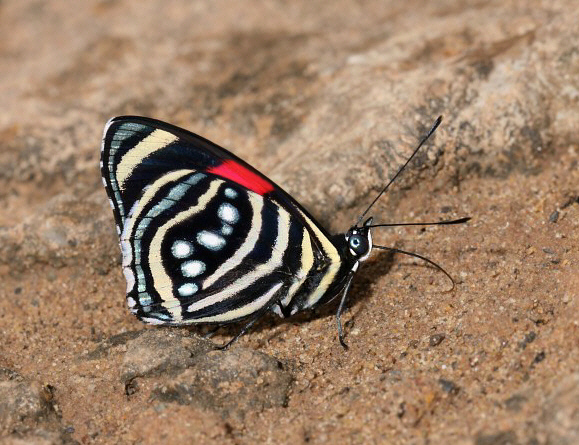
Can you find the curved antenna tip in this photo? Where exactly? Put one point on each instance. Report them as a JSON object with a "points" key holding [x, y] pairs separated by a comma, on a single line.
{"points": [[427, 260], [401, 169], [437, 122]]}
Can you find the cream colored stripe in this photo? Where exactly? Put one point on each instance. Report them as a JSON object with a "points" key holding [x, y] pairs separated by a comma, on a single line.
{"points": [[277, 252], [307, 260], [242, 311], [150, 192], [162, 281], [256, 202], [335, 262], [157, 140]]}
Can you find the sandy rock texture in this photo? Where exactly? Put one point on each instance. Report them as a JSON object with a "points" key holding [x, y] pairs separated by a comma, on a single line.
{"points": [[328, 98]]}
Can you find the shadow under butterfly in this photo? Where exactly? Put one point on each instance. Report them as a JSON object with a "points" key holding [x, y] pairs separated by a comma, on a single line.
{"points": [[207, 239]]}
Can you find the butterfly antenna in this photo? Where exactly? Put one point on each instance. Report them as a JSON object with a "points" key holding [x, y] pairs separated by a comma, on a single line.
{"points": [[424, 139], [432, 263], [438, 223]]}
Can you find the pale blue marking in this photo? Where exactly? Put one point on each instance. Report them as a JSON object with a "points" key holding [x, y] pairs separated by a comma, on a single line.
{"points": [[161, 316], [226, 229], [145, 301], [230, 193]]}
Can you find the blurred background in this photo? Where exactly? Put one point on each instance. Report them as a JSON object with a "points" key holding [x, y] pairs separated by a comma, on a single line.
{"points": [[327, 98]]}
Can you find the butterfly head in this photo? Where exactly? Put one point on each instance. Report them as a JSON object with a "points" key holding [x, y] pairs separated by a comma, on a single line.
{"points": [[359, 241]]}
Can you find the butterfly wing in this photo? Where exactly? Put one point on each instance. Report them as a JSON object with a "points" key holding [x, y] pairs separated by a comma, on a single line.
{"points": [[205, 237]]}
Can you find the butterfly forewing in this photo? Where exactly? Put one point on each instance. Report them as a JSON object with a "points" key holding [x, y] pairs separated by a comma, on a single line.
{"points": [[136, 151], [205, 238]]}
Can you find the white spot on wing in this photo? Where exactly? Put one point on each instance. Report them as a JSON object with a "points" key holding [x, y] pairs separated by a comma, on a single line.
{"points": [[234, 260], [275, 261], [131, 302], [181, 249], [230, 193], [210, 240], [187, 289], [162, 281], [228, 213], [192, 268], [226, 229]]}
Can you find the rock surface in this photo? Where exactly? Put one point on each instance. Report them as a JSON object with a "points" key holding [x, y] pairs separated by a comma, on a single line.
{"points": [[27, 412], [157, 352], [187, 370], [561, 414], [236, 381], [20, 402], [328, 98]]}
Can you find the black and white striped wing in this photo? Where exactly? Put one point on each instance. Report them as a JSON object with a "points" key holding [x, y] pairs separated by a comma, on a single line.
{"points": [[205, 238]]}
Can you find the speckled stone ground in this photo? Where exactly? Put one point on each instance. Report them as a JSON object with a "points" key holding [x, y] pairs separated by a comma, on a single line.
{"points": [[328, 98]]}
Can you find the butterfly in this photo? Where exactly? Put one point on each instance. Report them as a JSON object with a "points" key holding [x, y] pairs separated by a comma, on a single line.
{"points": [[207, 239]]}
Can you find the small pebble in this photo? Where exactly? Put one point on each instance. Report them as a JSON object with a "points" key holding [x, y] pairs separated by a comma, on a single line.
{"points": [[539, 357], [436, 339], [449, 386], [515, 403], [529, 338]]}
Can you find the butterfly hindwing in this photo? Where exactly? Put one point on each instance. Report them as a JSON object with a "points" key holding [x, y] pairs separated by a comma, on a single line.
{"points": [[204, 236]]}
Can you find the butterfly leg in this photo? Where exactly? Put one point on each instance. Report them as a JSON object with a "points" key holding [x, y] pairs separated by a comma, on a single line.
{"points": [[284, 310], [243, 331], [339, 313], [212, 332], [251, 322]]}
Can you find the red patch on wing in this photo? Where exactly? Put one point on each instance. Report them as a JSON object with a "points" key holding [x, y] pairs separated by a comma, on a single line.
{"points": [[242, 176]]}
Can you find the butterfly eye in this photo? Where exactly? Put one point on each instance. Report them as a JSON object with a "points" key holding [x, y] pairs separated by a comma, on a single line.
{"points": [[358, 244]]}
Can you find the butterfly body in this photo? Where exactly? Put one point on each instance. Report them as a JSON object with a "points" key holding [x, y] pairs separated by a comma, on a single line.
{"points": [[206, 238]]}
